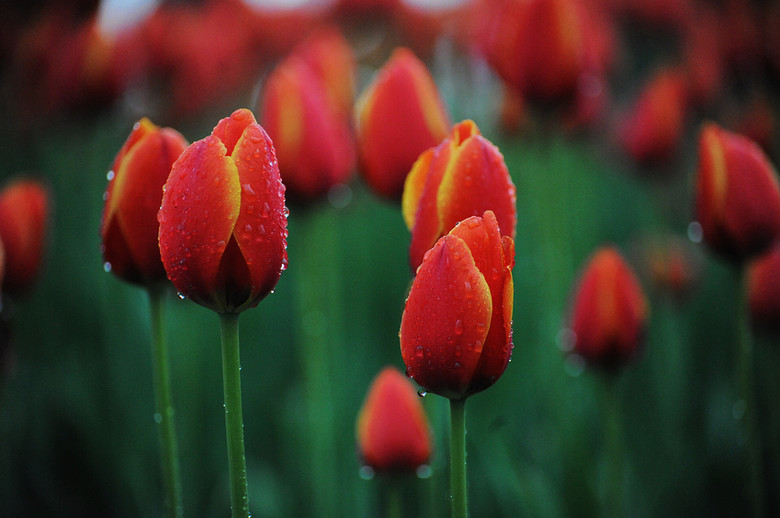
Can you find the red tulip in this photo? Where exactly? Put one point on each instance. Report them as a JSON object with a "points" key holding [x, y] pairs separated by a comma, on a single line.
{"points": [[456, 329], [129, 227], [24, 213], [609, 311], [763, 285], [313, 139], [463, 176], [738, 198], [393, 434], [223, 223], [399, 115]]}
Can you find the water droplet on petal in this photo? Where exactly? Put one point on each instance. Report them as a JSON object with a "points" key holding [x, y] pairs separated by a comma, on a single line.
{"points": [[106, 266], [419, 351], [181, 295], [422, 392], [458, 327], [110, 175]]}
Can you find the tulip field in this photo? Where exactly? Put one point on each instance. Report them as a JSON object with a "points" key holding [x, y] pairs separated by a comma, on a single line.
{"points": [[487, 259]]}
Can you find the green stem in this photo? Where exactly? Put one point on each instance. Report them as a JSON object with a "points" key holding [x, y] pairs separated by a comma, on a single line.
{"points": [[613, 491], [745, 364], [163, 407], [234, 422], [458, 458], [394, 507]]}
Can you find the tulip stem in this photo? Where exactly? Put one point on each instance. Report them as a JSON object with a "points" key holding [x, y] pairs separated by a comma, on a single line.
{"points": [[163, 407], [613, 492], [745, 364], [394, 507], [234, 422], [458, 458]]}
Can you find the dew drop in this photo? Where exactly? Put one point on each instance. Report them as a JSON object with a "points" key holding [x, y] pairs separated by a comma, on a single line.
{"points": [[481, 327], [458, 327], [419, 351], [110, 175], [107, 266], [366, 472], [422, 392], [181, 295], [457, 365], [424, 471], [105, 196], [158, 418], [695, 232]]}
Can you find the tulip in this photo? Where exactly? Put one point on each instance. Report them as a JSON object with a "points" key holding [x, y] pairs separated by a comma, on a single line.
{"points": [[456, 330], [312, 136], [24, 213], [129, 227], [393, 434], [223, 223], [463, 176], [763, 285], [398, 116], [738, 198], [609, 311]]}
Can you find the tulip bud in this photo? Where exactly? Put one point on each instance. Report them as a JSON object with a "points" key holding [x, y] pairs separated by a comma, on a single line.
{"points": [[223, 223], [393, 434], [312, 136], [399, 115], [24, 213], [456, 329], [464, 176], [738, 198], [129, 226], [609, 311], [763, 284]]}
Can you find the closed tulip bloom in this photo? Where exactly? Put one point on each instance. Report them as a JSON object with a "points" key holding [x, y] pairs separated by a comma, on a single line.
{"points": [[399, 115], [329, 55], [24, 215], [223, 222], [464, 176], [129, 226], [312, 135], [763, 284], [393, 434], [609, 311], [738, 198], [456, 329]]}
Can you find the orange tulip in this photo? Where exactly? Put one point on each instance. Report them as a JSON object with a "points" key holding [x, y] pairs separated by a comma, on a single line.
{"points": [[393, 434], [24, 213], [738, 197], [129, 226], [463, 176], [223, 223], [763, 284], [456, 329], [399, 115], [609, 311], [311, 133]]}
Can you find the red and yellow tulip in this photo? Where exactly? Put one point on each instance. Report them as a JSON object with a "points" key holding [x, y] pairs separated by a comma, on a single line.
{"points": [[129, 227], [456, 329], [463, 176], [223, 222], [393, 433]]}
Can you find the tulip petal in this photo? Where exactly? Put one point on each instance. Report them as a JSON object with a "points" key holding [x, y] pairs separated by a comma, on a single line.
{"points": [[230, 129], [200, 207], [446, 319]]}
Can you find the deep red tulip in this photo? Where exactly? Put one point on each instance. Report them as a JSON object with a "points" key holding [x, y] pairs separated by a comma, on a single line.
{"points": [[609, 311], [763, 285], [463, 176], [393, 433], [223, 223], [311, 133], [738, 198], [652, 131], [456, 329], [399, 115], [24, 216], [129, 227]]}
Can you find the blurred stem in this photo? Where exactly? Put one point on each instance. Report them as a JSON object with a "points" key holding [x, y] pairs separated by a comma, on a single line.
{"points": [[746, 377], [234, 421], [319, 292], [613, 490], [458, 458], [394, 507], [163, 404]]}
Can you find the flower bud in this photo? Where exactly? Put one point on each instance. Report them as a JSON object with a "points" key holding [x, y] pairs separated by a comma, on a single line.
{"points": [[399, 115], [738, 198], [393, 434], [24, 214], [609, 311], [463, 176], [456, 329], [223, 223], [129, 226]]}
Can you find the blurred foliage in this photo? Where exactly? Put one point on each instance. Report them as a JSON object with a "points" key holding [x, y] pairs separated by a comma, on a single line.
{"points": [[77, 436]]}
